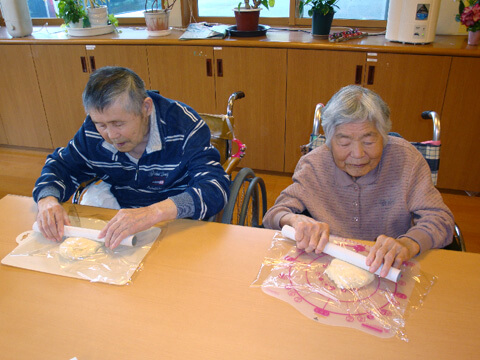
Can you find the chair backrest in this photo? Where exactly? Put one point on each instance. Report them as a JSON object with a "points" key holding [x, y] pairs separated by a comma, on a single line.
{"points": [[223, 137], [430, 150]]}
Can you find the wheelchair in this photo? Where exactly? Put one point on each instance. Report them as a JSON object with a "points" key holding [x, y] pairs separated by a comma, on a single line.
{"points": [[247, 203], [430, 150]]}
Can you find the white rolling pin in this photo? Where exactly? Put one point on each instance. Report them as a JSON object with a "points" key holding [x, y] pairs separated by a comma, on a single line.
{"points": [[73, 231], [346, 255]]}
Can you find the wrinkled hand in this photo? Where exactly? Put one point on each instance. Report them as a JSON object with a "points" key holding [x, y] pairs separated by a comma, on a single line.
{"points": [[51, 218], [310, 235], [131, 221], [390, 252]]}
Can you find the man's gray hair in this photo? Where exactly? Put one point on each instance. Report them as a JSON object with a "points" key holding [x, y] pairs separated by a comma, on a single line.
{"points": [[355, 104], [107, 84]]}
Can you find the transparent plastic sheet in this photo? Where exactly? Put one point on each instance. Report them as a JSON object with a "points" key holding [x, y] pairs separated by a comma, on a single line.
{"points": [[379, 308], [110, 266]]}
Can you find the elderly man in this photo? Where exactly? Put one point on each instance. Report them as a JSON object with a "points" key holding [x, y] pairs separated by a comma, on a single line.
{"points": [[154, 155], [364, 184]]}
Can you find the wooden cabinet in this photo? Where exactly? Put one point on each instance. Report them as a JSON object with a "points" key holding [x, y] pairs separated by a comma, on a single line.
{"points": [[409, 84], [460, 154], [22, 117], [63, 72], [204, 77]]}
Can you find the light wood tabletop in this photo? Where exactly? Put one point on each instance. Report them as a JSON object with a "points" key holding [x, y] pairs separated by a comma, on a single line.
{"points": [[192, 300]]}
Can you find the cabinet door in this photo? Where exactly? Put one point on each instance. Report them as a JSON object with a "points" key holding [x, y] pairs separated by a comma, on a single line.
{"points": [[409, 84], [21, 108], [62, 79], [3, 135], [260, 116], [184, 73], [130, 56], [313, 77], [459, 164]]}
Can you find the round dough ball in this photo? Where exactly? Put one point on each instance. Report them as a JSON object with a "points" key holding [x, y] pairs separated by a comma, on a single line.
{"points": [[76, 248], [348, 276]]}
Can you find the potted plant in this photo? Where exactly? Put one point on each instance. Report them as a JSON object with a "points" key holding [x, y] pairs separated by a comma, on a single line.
{"points": [[470, 17], [157, 19], [97, 14], [73, 13], [322, 12], [247, 17]]}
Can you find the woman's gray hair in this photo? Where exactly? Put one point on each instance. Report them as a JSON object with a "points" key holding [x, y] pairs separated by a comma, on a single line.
{"points": [[355, 104], [107, 84]]}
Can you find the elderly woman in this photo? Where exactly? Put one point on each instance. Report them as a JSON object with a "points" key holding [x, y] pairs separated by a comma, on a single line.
{"points": [[364, 184]]}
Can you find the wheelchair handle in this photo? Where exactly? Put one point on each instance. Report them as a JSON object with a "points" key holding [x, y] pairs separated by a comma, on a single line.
{"points": [[231, 99], [317, 119], [436, 123]]}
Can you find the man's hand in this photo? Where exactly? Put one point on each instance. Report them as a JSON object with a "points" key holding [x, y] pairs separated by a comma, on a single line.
{"points": [[131, 221], [51, 218], [310, 235], [390, 252]]}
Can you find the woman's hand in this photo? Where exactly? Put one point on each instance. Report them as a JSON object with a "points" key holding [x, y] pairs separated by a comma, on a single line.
{"points": [[390, 252], [51, 218], [310, 235]]}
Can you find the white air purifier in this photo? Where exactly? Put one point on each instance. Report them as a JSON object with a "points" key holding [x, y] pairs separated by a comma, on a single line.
{"points": [[412, 21], [17, 17]]}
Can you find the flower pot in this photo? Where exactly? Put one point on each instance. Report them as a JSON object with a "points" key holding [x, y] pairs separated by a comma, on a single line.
{"points": [[76, 25], [321, 24], [247, 19], [157, 22], [98, 16], [473, 38]]}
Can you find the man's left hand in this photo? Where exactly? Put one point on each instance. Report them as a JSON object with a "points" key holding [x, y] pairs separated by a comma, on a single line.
{"points": [[131, 221]]}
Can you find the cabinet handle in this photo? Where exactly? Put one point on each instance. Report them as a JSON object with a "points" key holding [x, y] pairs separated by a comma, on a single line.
{"points": [[219, 67], [358, 75], [84, 64], [92, 63], [371, 75], [209, 67]]}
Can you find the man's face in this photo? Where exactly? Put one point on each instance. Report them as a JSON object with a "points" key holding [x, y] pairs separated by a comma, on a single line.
{"points": [[357, 148], [127, 131]]}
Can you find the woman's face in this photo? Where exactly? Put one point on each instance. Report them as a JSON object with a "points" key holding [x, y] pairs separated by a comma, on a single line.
{"points": [[357, 147]]}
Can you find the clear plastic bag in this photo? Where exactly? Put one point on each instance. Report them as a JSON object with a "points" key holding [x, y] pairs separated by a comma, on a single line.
{"points": [[105, 265], [379, 308]]}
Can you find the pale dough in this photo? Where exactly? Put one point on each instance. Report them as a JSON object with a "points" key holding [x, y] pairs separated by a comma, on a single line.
{"points": [[348, 276], [76, 248]]}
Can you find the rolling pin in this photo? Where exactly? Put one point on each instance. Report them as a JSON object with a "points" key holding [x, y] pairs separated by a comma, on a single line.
{"points": [[73, 231], [346, 255]]}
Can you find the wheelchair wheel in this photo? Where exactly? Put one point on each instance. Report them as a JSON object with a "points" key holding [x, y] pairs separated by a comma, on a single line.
{"points": [[248, 201]]}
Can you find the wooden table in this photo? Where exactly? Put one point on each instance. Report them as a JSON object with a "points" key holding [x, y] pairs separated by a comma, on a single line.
{"points": [[193, 300]]}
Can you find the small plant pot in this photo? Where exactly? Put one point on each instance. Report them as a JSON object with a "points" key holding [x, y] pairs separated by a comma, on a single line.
{"points": [[76, 25], [473, 38], [157, 22], [247, 19], [98, 16], [321, 24]]}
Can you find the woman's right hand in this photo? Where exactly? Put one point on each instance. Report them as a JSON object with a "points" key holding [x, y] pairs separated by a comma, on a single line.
{"points": [[310, 234], [51, 218]]}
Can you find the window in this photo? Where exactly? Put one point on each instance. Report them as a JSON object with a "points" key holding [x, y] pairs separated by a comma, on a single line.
{"points": [[365, 13], [120, 8], [369, 12]]}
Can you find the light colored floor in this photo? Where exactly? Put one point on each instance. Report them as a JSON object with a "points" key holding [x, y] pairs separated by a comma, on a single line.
{"points": [[20, 168]]}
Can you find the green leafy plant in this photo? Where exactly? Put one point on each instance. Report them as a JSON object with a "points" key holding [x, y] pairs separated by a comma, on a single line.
{"points": [[323, 6], [256, 3], [72, 11], [165, 5], [469, 15]]}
